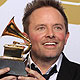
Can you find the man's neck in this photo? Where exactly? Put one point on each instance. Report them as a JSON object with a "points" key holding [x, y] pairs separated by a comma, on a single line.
{"points": [[44, 64]]}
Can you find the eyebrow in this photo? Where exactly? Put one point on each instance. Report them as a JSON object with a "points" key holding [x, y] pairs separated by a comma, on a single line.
{"points": [[40, 25], [58, 24]]}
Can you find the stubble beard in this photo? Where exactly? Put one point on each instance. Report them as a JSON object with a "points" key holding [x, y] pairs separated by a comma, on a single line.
{"points": [[35, 56]]}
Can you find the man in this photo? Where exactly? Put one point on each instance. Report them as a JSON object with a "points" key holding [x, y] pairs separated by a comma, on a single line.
{"points": [[47, 27]]}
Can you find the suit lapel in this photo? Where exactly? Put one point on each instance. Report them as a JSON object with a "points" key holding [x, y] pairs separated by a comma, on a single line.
{"points": [[66, 72]]}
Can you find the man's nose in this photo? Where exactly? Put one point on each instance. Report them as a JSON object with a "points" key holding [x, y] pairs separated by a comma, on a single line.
{"points": [[50, 33]]}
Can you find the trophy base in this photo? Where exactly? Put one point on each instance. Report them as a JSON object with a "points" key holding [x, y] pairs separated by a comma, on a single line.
{"points": [[17, 67]]}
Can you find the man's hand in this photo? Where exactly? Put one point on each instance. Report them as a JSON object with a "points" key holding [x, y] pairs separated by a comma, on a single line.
{"points": [[32, 75], [3, 71]]}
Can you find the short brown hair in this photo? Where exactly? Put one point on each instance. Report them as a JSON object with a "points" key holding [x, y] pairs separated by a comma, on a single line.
{"points": [[38, 4]]}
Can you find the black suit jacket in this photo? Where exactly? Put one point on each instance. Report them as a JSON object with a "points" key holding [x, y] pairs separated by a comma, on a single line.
{"points": [[69, 70]]}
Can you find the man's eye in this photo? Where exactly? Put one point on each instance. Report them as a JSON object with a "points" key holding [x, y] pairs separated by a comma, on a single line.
{"points": [[40, 28], [58, 28]]}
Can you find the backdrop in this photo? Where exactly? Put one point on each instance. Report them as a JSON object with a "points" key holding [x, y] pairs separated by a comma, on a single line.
{"points": [[10, 8]]}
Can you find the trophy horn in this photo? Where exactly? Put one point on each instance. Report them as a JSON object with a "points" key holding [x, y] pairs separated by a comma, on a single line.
{"points": [[12, 30]]}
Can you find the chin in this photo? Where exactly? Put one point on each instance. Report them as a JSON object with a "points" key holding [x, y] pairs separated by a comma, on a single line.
{"points": [[50, 58], [52, 55]]}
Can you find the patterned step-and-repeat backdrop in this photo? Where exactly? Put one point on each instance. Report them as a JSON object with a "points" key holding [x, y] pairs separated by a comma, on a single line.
{"points": [[10, 8]]}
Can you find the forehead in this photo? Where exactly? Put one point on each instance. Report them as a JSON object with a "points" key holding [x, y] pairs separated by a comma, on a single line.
{"points": [[46, 12]]}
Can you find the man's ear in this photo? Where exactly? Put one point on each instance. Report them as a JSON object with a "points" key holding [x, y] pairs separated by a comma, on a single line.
{"points": [[66, 38], [26, 35]]}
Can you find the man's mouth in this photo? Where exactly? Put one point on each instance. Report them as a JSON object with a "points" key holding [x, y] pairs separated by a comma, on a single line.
{"points": [[50, 43]]}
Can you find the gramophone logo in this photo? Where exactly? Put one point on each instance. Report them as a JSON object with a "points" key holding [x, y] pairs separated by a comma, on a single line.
{"points": [[2, 2], [72, 9]]}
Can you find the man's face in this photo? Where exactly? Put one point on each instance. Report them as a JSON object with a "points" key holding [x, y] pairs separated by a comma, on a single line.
{"points": [[47, 32]]}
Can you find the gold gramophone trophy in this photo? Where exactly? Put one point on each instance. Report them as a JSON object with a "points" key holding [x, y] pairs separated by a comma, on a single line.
{"points": [[12, 52]]}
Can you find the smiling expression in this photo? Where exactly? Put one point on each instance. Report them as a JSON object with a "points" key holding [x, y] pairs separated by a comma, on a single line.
{"points": [[47, 32]]}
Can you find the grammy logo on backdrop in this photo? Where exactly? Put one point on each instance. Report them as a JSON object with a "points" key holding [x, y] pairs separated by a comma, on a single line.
{"points": [[13, 52]]}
